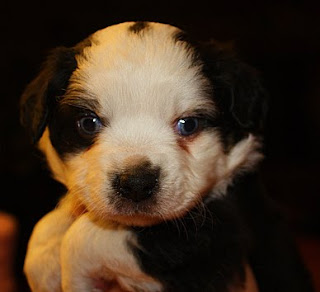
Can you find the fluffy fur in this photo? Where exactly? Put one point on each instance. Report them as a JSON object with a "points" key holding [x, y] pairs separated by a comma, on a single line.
{"points": [[150, 207]]}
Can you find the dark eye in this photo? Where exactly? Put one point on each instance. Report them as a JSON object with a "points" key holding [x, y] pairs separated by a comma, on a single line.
{"points": [[187, 126], [89, 125]]}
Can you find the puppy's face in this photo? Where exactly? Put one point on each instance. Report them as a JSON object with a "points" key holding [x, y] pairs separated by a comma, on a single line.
{"points": [[140, 126]]}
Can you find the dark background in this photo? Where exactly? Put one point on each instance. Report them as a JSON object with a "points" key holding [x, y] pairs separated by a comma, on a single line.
{"points": [[281, 39]]}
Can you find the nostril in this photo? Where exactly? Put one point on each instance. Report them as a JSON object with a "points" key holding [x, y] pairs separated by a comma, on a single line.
{"points": [[137, 183]]}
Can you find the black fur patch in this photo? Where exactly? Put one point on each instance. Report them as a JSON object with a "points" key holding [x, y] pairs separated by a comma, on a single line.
{"points": [[206, 249], [41, 95], [238, 93], [63, 129], [138, 27], [236, 89], [45, 89], [182, 36]]}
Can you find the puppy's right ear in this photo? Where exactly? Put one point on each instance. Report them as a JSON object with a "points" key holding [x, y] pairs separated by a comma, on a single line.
{"points": [[40, 96]]}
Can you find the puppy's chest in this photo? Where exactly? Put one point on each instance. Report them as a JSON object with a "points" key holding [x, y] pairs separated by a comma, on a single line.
{"points": [[121, 265]]}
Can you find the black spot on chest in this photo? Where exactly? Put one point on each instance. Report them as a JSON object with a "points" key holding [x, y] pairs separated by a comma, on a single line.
{"points": [[195, 253]]}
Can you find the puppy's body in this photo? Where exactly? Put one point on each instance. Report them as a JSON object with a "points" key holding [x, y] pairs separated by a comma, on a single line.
{"points": [[156, 140]]}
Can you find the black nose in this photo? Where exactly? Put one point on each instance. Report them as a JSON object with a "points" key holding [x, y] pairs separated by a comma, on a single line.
{"points": [[137, 183]]}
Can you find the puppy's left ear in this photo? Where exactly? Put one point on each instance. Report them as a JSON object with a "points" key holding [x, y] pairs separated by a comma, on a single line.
{"points": [[237, 88], [39, 97]]}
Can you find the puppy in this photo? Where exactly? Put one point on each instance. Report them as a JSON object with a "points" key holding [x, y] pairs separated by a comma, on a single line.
{"points": [[157, 139]]}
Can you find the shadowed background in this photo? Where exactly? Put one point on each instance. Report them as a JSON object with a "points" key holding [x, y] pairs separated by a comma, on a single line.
{"points": [[281, 39]]}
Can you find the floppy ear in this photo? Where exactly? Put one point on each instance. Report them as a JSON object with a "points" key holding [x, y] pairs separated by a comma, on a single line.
{"points": [[237, 88], [41, 94]]}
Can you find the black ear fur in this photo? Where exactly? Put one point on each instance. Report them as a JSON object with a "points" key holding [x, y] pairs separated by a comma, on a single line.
{"points": [[40, 95], [237, 88]]}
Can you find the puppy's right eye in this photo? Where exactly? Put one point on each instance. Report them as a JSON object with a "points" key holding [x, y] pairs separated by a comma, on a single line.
{"points": [[89, 125], [187, 126]]}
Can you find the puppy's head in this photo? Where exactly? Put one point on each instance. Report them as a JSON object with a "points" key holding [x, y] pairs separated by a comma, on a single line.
{"points": [[141, 125]]}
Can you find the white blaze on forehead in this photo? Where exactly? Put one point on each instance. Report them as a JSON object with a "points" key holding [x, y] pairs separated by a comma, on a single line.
{"points": [[141, 72]]}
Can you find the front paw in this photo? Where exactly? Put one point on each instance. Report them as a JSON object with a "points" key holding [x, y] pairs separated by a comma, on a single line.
{"points": [[93, 254], [92, 250], [42, 268], [79, 263], [42, 262]]}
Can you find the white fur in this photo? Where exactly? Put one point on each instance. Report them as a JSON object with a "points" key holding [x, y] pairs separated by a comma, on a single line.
{"points": [[58, 168], [143, 83], [42, 262], [106, 255]]}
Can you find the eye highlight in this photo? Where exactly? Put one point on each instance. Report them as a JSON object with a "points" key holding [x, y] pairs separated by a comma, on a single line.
{"points": [[89, 125], [187, 126]]}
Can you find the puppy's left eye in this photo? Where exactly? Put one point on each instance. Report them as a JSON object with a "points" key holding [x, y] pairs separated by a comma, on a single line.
{"points": [[89, 125], [187, 126]]}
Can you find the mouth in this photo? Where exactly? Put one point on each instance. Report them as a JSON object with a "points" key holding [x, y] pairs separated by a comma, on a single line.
{"points": [[140, 220], [120, 210], [124, 205], [149, 212], [130, 213]]}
